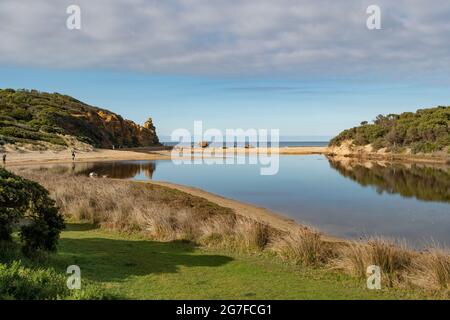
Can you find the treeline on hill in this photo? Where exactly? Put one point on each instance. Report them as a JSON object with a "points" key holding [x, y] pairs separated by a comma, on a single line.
{"points": [[30, 116], [426, 131]]}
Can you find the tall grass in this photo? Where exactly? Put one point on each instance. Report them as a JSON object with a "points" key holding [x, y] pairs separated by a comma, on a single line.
{"points": [[393, 258], [163, 214], [431, 269], [159, 212], [305, 247]]}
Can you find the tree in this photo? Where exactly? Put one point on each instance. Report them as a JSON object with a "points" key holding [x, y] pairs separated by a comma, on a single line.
{"points": [[27, 202]]}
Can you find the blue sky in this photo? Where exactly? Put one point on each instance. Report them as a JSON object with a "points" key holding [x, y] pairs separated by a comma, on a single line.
{"points": [[287, 64], [301, 109]]}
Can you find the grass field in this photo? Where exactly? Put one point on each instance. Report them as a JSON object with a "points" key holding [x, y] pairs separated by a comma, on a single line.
{"points": [[131, 267]]}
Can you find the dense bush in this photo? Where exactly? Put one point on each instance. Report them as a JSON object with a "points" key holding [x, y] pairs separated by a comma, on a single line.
{"points": [[426, 130], [29, 203]]}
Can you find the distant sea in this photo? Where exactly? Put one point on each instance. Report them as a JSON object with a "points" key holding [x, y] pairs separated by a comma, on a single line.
{"points": [[281, 144]]}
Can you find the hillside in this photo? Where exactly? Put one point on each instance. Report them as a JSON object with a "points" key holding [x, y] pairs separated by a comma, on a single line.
{"points": [[425, 131], [40, 118]]}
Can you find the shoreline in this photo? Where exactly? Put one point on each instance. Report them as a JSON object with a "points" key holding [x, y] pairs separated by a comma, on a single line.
{"points": [[266, 216], [406, 159], [25, 157], [276, 219], [272, 218], [348, 150], [15, 157], [287, 238]]}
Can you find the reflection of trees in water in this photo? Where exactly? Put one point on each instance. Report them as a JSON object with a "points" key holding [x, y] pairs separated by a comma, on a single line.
{"points": [[426, 183], [121, 170]]}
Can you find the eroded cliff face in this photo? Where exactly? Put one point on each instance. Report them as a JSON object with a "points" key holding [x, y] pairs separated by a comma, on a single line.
{"points": [[44, 120], [118, 132]]}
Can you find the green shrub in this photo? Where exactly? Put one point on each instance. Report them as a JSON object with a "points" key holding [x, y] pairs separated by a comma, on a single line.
{"points": [[424, 147], [426, 131], [18, 282], [19, 133], [21, 114], [28, 201]]}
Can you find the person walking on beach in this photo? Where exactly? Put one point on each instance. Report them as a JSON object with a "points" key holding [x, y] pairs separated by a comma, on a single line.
{"points": [[4, 159], [73, 155]]}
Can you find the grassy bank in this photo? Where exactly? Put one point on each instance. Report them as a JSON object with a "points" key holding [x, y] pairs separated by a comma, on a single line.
{"points": [[133, 267], [167, 229]]}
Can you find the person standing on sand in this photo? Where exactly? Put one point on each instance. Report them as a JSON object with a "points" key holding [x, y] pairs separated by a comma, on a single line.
{"points": [[4, 159], [73, 155]]}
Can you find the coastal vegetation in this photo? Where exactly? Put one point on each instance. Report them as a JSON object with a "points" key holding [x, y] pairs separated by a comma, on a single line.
{"points": [[138, 232], [28, 202], [423, 131], [26, 207], [56, 120]]}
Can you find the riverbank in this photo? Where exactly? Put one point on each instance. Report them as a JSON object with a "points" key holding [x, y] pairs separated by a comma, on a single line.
{"points": [[166, 212], [134, 267], [117, 265], [25, 157], [263, 215], [348, 150]]}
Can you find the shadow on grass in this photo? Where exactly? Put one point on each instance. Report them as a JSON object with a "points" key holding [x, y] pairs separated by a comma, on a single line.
{"points": [[103, 259]]}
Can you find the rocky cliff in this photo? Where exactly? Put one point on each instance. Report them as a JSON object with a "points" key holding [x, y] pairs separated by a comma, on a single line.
{"points": [[119, 132], [39, 117]]}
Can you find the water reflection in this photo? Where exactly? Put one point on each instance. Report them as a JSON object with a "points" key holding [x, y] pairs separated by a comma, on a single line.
{"points": [[122, 169], [116, 169], [423, 182], [337, 197]]}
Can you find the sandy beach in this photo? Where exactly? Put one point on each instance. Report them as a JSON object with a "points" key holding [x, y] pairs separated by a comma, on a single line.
{"points": [[48, 156], [23, 157]]}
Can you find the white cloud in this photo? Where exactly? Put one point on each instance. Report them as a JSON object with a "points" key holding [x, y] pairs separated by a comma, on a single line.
{"points": [[229, 37]]}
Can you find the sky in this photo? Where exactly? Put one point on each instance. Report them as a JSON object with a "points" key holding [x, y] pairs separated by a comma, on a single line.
{"points": [[308, 68]]}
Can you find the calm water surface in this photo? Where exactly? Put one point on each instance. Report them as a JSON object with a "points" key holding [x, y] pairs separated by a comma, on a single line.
{"points": [[344, 199]]}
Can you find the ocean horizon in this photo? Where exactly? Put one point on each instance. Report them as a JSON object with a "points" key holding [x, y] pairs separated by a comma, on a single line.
{"points": [[281, 144]]}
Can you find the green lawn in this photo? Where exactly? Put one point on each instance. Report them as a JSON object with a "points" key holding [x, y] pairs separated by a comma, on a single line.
{"points": [[134, 268]]}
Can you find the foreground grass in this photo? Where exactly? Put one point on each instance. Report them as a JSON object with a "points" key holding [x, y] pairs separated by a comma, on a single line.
{"points": [[131, 267]]}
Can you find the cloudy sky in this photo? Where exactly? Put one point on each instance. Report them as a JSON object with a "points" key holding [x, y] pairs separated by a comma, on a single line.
{"points": [[310, 68]]}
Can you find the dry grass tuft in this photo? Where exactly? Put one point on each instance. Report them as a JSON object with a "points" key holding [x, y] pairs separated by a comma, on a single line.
{"points": [[431, 269], [305, 247], [393, 258], [251, 235]]}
